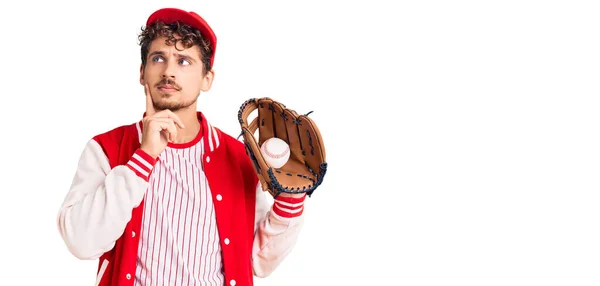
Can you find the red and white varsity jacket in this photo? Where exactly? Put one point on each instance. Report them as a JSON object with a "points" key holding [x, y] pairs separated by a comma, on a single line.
{"points": [[102, 212]]}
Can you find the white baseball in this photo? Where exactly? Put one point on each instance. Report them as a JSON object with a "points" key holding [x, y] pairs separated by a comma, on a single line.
{"points": [[275, 151]]}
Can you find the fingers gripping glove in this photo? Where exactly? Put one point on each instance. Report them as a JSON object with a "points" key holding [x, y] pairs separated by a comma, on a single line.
{"points": [[306, 166]]}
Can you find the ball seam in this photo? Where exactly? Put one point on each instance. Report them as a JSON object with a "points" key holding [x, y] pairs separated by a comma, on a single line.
{"points": [[274, 155]]}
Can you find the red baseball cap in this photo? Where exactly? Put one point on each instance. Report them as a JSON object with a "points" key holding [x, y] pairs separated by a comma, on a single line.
{"points": [[170, 15]]}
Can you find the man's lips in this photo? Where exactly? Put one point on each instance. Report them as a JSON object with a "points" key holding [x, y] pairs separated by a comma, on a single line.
{"points": [[167, 87]]}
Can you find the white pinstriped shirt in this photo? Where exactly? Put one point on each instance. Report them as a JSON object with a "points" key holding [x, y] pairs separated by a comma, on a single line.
{"points": [[179, 242]]}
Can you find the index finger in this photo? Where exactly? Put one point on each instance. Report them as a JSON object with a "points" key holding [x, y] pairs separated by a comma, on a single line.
{"points": [[149, 104], [171, 115]]}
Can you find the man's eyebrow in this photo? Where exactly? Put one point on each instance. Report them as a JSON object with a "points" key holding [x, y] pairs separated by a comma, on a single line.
{"points": [[156, 53], [186, 57]]}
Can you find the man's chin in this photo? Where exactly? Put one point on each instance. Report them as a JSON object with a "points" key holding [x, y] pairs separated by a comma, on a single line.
{"points": [[172, 106]]}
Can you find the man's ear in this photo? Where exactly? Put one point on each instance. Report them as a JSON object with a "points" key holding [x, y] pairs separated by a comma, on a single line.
{"points": [[142, 82], [207, 80]]}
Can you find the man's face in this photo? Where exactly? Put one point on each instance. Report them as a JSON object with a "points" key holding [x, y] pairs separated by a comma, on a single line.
{"points": [[175, 77]]}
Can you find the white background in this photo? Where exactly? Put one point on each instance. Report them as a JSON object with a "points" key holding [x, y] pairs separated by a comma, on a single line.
{"points": [[462, 136]]}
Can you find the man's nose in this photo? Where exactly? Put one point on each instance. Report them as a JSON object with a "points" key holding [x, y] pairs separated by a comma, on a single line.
{"points": [[169, 71]]}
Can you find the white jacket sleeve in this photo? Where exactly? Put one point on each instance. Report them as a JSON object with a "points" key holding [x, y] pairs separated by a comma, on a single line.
{"points": [[277, 229], [100, 201]]}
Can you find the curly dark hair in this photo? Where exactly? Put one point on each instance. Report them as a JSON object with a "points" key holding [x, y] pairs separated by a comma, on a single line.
{"points": [[189, 37]]}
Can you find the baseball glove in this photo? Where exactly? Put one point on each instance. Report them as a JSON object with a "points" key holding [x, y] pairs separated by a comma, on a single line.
{"points": [[306, 166]]}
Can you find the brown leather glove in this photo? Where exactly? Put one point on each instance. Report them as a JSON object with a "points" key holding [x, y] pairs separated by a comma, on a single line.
{"points": [[306, 166]]}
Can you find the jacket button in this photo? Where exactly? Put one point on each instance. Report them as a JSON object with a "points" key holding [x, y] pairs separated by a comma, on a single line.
{"points": [[128, 276], [232, 282], [226, 241], [207, 159], [133, 234], [219, 197]]}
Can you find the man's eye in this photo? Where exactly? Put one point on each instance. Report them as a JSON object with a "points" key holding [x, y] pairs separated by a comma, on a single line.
{"points": [[183, 62], [156, 59]]}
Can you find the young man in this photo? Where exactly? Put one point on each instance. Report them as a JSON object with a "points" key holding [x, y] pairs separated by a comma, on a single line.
{"points": [[172, 200]]}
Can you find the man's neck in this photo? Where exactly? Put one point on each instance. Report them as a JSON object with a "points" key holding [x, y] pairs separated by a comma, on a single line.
{"points": [[189, 117]]}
